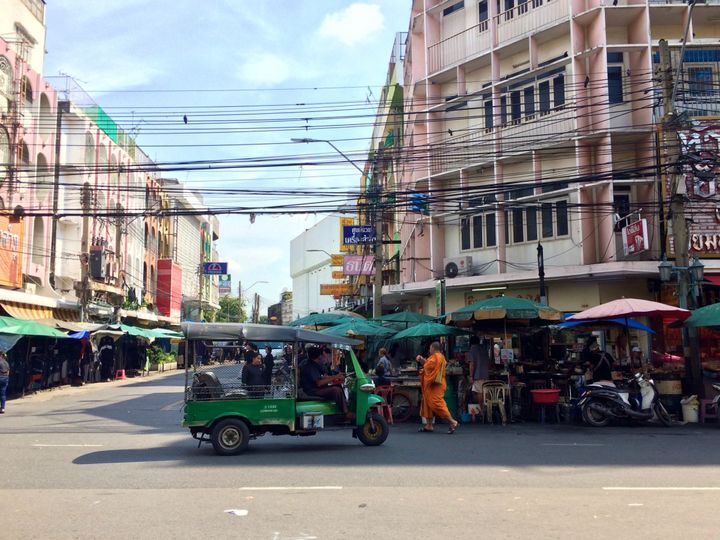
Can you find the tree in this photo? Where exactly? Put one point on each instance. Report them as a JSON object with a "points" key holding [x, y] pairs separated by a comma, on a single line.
{"points": [[231, 310]]}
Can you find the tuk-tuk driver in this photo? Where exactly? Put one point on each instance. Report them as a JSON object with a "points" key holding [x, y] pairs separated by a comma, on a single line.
{"points": [[315, 383]]}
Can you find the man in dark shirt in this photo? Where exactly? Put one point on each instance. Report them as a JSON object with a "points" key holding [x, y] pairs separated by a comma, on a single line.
{"points": [[315, 383], [252, 376], [269, 363]]}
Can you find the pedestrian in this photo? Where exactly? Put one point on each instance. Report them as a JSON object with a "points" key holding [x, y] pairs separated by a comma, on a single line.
{"points": [[269, 363], [383, 369], [433, 384], [4, 380]]}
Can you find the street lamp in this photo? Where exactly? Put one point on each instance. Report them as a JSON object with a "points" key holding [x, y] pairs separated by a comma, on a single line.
{"points": [[694, 274], [307, 140]]}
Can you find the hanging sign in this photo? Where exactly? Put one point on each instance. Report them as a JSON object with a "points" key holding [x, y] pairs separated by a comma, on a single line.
{"points": [[635, 237], [359, 265]]}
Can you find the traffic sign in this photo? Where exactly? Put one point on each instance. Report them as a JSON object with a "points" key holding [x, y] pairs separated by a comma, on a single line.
{"points": [[215, 268], [359, 234]]}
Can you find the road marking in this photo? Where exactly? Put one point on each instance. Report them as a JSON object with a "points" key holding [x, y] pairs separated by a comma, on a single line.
{"points": [[67, 445], [636, 504], [662, 488], [290, 488], [174, 406], [237, 512], [572, 444]]}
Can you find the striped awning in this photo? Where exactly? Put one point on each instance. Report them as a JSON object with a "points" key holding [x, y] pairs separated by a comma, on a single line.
{"points": [[29, 312], [67, 315]]}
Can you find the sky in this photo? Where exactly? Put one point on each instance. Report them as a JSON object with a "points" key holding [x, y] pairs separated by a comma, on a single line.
{"points": [[148, 64]]}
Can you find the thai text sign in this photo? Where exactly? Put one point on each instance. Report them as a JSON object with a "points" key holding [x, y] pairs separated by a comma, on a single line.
{"points": [[215, 268], [345, 222], [338, 274], [635, 237], [11, 241], [335, 289], [358, 265], [359, 234]]}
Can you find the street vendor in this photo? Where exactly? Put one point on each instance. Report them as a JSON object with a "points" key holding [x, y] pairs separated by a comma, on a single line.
{"points": [[600, 362]]}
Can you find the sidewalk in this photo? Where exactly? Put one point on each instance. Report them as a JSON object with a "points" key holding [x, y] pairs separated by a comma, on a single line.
{"points": [[67, 390]]}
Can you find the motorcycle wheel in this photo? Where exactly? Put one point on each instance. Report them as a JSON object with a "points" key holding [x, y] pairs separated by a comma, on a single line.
{"points": [[662, 414], [594, 418]]}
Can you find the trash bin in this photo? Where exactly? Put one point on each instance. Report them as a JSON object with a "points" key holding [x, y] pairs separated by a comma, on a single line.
{"points": [[690, 409]]}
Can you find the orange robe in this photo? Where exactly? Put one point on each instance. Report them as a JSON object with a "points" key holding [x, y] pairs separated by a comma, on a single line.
{"points": [[433, 400]]}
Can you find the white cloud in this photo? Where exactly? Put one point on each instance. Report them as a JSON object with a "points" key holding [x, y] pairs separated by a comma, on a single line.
{"points": [[354, 24]]}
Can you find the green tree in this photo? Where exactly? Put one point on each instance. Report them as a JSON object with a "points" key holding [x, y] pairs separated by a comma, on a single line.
{"points": [[231, 310]]}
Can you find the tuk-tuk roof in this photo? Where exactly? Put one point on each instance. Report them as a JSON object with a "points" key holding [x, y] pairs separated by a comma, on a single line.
{"points": [[258, 332]]}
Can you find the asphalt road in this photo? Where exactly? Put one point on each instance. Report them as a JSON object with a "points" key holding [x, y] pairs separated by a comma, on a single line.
{"points": [[111, 461]]}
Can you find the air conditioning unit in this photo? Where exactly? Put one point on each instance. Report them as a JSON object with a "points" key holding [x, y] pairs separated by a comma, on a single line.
{"points": [[457, 266]]}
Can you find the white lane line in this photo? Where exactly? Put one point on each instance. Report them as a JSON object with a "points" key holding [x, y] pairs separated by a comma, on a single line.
{"points": [[572, 444], [174, 406], [663, 488], [68, 445], [290, 488]]}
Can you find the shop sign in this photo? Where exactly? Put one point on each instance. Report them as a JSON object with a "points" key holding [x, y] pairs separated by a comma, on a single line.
{"points": [[528, 294], [635, 237], [338, 274], [336, 260], [345, 222], [359, 265], [215, 268], [225, 285], [335, 289], [11, 241], [359, 234]]}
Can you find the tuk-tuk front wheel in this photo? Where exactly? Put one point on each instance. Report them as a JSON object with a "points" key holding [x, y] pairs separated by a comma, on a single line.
{"points": [[230, 436], [373, 433]]}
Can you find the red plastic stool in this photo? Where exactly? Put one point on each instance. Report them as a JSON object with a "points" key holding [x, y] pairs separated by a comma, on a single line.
{"points": [[120, 375], [708, 410]]}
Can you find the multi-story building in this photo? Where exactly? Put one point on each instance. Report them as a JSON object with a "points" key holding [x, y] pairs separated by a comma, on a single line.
{"points": [[529, 124]]}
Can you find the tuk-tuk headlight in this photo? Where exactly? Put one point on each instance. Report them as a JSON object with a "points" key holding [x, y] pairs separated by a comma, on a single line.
{"points": [[368, 387]]}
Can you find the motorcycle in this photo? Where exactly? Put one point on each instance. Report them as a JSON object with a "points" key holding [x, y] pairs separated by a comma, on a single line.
{"points": [[601, 403]]}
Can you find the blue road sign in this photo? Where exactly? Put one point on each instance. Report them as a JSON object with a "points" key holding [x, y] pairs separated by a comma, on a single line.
{"points": [[215, 268], [359, 234]]}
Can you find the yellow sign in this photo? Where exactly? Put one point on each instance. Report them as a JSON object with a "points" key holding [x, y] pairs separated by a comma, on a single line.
{"points": [[338, 274], [336, 260], [335, 289], [343, 222]]}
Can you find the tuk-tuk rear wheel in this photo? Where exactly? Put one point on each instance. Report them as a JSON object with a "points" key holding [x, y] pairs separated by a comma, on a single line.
{"points": [[373, 433], [230, 437]]}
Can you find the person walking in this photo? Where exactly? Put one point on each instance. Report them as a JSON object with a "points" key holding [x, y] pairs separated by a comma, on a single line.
{"points": [[432, 381], [4, 380]]}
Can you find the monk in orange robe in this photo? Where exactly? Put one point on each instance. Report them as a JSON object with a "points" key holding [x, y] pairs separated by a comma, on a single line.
{"points": [[432, 381]]}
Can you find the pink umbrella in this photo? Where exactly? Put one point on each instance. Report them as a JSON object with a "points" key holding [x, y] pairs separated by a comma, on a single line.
{"points": [[631, 307]]}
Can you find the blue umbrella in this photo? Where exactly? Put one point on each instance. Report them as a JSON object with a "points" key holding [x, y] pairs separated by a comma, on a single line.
{"points": [[622, 322]]}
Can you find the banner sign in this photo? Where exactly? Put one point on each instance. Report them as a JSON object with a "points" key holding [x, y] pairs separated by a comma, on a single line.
{"points": [[335, 289], [359, 234], [635, 237], [215, 268], [359, 265]]}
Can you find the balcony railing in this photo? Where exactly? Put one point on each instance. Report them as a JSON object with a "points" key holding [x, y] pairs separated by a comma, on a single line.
{"points": [[459, 47], [529, 17], [460, 151]]}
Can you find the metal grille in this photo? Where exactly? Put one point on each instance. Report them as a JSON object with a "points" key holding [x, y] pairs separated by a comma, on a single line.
{"points": [[224, 381]]}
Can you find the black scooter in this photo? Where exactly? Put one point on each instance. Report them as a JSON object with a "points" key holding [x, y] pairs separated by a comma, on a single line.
{"points": [[602, 402]]}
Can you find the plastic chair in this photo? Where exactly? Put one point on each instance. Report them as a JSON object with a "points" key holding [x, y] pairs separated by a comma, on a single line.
{"points": [[708, 410], [120, 375], [384, 409], [494, 394]]}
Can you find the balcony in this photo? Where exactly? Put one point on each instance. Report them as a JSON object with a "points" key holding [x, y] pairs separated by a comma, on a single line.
{"points": [[529, 18], [541, 132], [458, 152], [459, 47]]}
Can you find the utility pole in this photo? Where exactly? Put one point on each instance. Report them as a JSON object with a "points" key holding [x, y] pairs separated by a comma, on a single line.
{"points": [[240, 301], [84, 285], [63, 107], [678, 198], [200, 293]]}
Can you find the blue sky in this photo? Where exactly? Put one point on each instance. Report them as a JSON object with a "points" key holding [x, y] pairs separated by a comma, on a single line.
{"points": [[135, 57]]}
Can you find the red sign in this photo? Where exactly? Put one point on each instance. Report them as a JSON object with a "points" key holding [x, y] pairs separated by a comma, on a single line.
{"points": [[635, 237], [359, 265], [169, 288], [11, 247]]}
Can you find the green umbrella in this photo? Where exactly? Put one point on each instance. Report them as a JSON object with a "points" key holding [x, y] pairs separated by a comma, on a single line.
{"points": [[136, 331], [31, 328], [506, 307], [358, 327], [704, 317], [430, 329], [407, 317], [167, 333], [322, 319]]}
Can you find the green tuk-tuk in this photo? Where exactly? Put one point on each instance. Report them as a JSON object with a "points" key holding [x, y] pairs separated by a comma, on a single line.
{"points": [[221, 409]]}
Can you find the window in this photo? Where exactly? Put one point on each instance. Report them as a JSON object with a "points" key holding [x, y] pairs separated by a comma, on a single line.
{"points": [[529, 98], [452, 9], [544, 95], [477, 231], [518, 225], [700, 81], [547, 220], [483, 13], [38, 246], [488, 115], [507, 226], [490, 230], [515, 107], [562, 218], [531, 223], [465, 233], [522, 6], [503, 111], [559, 91], [621, 205], [509, 5], [615, 89]]}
